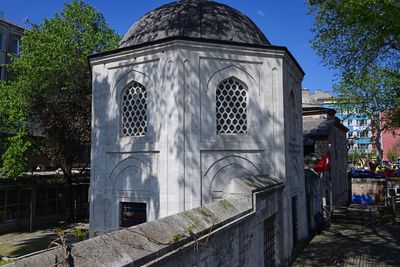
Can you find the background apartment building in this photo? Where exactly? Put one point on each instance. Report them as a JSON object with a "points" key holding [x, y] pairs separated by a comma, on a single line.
{"points": [[359, 128], [10, 43], [359, 125]]}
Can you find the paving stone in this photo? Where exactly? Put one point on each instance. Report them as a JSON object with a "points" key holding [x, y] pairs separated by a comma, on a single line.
{"points": [[347, 244]]}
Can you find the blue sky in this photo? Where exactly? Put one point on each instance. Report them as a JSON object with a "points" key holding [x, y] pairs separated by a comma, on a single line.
{"points": [[284, 22]]}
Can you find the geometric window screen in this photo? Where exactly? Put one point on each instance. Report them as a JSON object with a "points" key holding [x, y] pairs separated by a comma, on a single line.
{"points": [[270, 235], [231, 107], [131, 214], [134, 110]]}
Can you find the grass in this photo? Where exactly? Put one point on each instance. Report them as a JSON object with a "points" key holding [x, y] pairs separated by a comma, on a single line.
{"points": [[3, 262]]}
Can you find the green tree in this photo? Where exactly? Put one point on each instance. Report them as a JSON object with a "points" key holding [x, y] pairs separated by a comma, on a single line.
{"points": [[392, 155], [361, 39], [14, 144], [394, 152], [357, 158], [372, 94], [51, 89], [50, 93]]}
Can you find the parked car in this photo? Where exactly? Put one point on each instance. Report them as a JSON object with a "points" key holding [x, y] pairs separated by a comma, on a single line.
{"points": [[359, 173]]}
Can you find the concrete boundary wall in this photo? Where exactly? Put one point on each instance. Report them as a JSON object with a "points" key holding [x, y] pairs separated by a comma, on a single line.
{"points": [[375, 188], [228, 232]]}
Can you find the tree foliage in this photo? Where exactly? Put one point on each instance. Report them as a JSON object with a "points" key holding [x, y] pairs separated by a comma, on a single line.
{"points": [[361, 40], [358, 158], [351, 35], [373, 94], [50, 95]]}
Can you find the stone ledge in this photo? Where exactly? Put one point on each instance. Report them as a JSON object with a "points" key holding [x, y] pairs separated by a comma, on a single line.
{"points": [[143, 243], [155, 241]]}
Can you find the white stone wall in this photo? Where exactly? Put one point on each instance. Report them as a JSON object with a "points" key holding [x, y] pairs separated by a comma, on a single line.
{"points": [[229, 232], [339, 157], [182, 163], [294, 159]]}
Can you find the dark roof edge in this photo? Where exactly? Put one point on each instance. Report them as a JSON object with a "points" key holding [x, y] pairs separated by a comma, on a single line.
{"points": [[201, 40], [317, 110], [13, 25], [340, 125]]}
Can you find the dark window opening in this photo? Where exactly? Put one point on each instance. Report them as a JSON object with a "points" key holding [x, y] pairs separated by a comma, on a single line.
{"points": [[309, 149], [295, 221], [15, 46], [132, 214], [392, 192], [1, 41]]}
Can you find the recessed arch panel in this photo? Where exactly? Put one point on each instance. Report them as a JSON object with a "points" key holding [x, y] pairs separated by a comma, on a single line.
{"points": [[129, 175], [222, 171]]}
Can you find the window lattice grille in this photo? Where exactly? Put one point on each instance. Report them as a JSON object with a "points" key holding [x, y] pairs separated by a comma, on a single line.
{"points": [[131, 214], [134, 110], [231, 108], [270, 241]]}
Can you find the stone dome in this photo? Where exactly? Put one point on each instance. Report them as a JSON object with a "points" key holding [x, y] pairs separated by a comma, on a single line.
{"points": [[195, 20]]}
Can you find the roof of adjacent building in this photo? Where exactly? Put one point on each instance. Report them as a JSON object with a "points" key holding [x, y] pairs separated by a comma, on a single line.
{"points": [[10, 24], [310, 109], [195, 19], [317, 126]]}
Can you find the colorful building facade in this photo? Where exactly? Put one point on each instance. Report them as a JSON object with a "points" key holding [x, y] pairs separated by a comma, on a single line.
{"points": [[360, 134]]}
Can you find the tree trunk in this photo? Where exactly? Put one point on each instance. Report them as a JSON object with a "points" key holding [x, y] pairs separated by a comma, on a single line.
{"points": [[378, 134], [379, 145]]}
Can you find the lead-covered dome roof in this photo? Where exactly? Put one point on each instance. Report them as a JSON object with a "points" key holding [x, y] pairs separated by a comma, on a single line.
{"points": [[197, 20]]}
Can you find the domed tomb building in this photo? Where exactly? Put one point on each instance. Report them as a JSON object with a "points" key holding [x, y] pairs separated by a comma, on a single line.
{"points": [[194, 96]]}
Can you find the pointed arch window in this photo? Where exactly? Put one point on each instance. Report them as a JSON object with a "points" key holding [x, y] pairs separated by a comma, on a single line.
{"points": [[134, 110], [231, 107]]}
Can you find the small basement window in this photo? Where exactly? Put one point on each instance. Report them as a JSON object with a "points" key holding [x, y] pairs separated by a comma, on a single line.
{"points": [[132, 213]]}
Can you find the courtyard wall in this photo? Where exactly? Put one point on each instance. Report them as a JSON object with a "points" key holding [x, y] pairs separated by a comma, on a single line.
{"points": [[240, 230]]}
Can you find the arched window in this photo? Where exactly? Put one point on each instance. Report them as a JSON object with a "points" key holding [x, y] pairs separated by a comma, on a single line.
{"points": [[231, 107], [134, 110]]}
